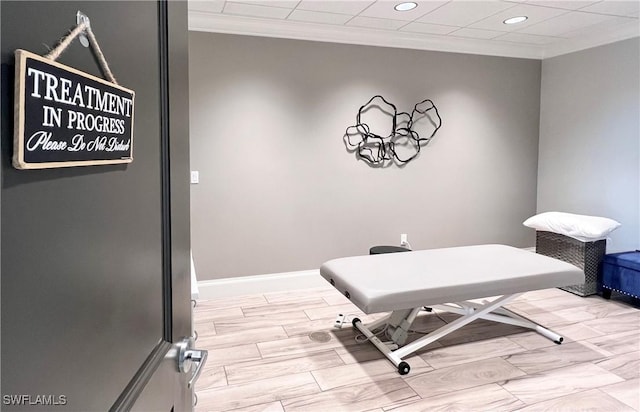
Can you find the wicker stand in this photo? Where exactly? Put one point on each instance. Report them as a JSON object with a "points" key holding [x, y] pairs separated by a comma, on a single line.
{"points": [[585, 255]]}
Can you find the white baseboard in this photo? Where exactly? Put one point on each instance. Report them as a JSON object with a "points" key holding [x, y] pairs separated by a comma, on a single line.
{"points": [[274, 282], [248, 285]]}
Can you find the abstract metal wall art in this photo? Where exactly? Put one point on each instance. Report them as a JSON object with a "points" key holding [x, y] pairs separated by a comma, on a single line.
{"points": [[381, 151]]}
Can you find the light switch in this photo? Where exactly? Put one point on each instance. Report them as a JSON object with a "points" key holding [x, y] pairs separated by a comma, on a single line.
{"points": [[195, 177]]}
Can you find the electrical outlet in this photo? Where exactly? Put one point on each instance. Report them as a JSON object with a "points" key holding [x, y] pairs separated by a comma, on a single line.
{"points": [[404, 239], [339, 321], [195, 177]]}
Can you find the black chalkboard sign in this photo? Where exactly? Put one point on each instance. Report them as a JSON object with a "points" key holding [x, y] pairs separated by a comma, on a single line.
{"points": [[64, 117]]}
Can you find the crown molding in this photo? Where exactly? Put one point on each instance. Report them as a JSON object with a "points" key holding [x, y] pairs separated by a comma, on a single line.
{"points": [[601, 38], [219, 23]]}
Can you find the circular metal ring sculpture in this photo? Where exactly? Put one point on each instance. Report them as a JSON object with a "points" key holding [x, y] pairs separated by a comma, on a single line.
{"points": [[380, 150]]}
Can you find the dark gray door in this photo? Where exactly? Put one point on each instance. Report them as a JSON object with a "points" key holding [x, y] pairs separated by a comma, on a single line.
{"points": [[95, 260]]}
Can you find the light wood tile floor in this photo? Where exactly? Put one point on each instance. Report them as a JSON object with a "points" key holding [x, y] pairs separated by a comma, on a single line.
{"points": [[262, 358]]}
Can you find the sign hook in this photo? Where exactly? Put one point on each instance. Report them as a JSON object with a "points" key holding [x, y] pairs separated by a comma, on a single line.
{"points": [[82, 18]]}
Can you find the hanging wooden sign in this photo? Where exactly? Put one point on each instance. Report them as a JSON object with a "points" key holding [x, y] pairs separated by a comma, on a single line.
{"points": [[64, 117]]}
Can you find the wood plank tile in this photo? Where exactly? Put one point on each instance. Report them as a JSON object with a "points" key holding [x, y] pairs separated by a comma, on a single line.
{"points": [[479, 330], [365, 351], [618, 299], [591, 400], [626, 365], [206, 328], [239, 338], [618, 343], [299, 345], [360, 352], [330, 312], [211, 377], [335, 299], [257, 393], [531, 340], [543, 294], [490, 397], [273, 367], [627, 392], [559, 382], [304, 328], [206, 315], [303, 294], [264, 407], [555, 304], [231, 302], [365, 372], [576, 332], [553, 357], [426, 322], [547, 319], [326, 324], [272, 308], [608, 348], [616, 324], [464, 376], [595, 311], [224, 326], [238, 353], [595, 348], [423, 323], [536, 312], [609, 308], [469, 352], [354, 398]]}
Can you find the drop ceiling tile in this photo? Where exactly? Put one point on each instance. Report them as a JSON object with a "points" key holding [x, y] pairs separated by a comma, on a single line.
{"points": [[383, 9], [616, 8], [565, 23], [612, 23], [560, 4], [549, 21], [319, 17], [535, 14], [341, 7], [211, 6], [526, 38], [463, 13], [476, 33], [252, 10], [287, 4], [374, 23], [428, 28]]}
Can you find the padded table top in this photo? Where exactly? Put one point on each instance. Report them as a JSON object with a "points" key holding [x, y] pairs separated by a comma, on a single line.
{"points": [[394, 281]]}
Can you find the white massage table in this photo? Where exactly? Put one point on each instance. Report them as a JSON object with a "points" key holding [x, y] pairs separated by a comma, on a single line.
{"points": [[443, 279]]}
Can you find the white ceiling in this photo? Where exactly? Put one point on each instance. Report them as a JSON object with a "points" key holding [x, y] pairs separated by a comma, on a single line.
{"points": [[553, 27]]}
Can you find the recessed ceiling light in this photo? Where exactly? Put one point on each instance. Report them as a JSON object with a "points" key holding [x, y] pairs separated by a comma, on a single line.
{"points": [[406, 6], [514, 20]]}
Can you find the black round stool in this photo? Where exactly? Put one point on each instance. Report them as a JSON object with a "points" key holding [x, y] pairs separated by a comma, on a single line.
{"points": [[379, 250]]}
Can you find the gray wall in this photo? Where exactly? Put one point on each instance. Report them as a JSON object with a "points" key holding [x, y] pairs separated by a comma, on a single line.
{"points": [[279, 192], [590, 139]]}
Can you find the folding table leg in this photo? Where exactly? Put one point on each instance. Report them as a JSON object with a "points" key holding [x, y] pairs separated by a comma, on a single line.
{"points": [[403, 367], [469, 311]]}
